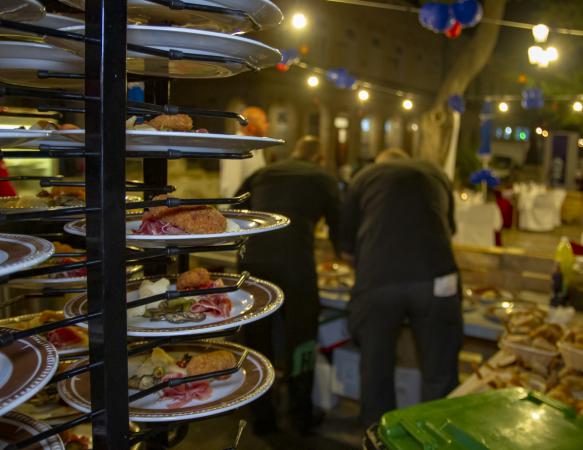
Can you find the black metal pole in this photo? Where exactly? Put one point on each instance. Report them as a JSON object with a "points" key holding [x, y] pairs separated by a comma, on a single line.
{"points": [[105, 68]]}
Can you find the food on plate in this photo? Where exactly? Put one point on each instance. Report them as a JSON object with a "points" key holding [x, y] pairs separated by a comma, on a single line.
{"points": [[164, 122], [544, 337], [160, 367], [187, 309], [161, 220], [46, 125], [58, 197], [525, 320], [61, 338], [75, 273], [175, 122], [569, 389], [575, 338], [74, 441]]}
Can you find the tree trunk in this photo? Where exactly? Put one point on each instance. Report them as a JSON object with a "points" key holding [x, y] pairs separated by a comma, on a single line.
{"points": [[436, 122]]}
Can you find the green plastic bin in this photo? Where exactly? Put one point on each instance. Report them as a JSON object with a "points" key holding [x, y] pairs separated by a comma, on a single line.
{"points": [[508, 419]]}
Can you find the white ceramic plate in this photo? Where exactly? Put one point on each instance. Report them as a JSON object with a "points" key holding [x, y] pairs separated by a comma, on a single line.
{"points": [[21, 10], [26, 366], [255, 300], [239, 224], [20, 61], [19, 252], [188, 41], [264, 12], [54, 21], [161, 141], [16, 427], [12, 138], [252, 381]]}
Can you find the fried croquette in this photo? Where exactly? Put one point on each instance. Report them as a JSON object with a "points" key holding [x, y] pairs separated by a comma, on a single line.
{"points": [[193, 279], [176, 122], [191, 219]]}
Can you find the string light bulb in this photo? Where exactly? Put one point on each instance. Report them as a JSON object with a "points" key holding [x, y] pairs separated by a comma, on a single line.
{"points": [[313, 81], [577, 106], [299, 21], [407, 105], [540, 33], [363, 95], [503, 107]]}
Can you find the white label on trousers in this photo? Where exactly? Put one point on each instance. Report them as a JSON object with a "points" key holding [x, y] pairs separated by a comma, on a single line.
{"points": [[445, 286]]}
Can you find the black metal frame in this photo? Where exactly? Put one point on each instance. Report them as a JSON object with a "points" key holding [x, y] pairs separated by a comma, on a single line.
{"points": [[106, 257]]}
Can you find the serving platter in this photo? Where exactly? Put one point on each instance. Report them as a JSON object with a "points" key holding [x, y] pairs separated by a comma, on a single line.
{"points": [[26, 366], [16, 427], [21, 10], [19, 252], [255, 300], [240, 223], [188, 41], [253, 379], [263, 12], [53, 21], [161, 141]]}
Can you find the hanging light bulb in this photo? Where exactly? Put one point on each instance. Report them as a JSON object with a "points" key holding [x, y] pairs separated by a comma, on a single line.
{"points": [[299, 21], [552, 54], [313, 81], [540, 33], [503, 107], [577, 106], [363, 95], [535, 54], [407, 104]]}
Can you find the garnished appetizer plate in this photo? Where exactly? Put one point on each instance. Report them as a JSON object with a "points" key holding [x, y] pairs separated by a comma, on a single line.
{"points": [[185, 141], [187, 401], [193, 315], [155, 233]]}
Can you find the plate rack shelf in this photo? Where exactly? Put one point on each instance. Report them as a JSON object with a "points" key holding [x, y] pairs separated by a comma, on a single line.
{"points": [[105, 109]]}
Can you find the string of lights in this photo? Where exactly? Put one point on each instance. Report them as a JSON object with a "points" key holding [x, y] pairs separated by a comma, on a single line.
{"points": [[415, 10]]}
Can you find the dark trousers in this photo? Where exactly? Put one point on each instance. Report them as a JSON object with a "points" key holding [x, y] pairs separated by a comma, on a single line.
{"points": [[375, 322], [295, 326]]}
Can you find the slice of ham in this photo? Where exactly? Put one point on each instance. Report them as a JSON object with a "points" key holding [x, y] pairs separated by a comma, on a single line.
{"points": [[157, 228], [185, 393], [217, 305], [64, 337]]}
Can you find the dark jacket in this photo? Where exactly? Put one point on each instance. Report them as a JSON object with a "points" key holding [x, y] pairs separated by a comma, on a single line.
{"points": [[397, 221]]}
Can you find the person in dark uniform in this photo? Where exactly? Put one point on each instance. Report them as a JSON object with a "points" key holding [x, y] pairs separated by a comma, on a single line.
{"points": [[397, 224], [301, 190]]}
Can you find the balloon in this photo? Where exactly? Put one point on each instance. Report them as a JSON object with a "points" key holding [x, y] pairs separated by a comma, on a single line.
{"points": [[436, 17], [457, 103], [282, 67], [532, 98], [341, 78], [484, 175], [467, 12], [455, 31]]}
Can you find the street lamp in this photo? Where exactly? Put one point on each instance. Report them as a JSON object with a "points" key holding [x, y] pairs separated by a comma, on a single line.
{"points": [[299, 21], [503, 107]]}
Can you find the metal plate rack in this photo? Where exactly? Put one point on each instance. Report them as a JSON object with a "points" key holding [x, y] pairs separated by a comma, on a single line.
{"points": [[105, 108]]}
